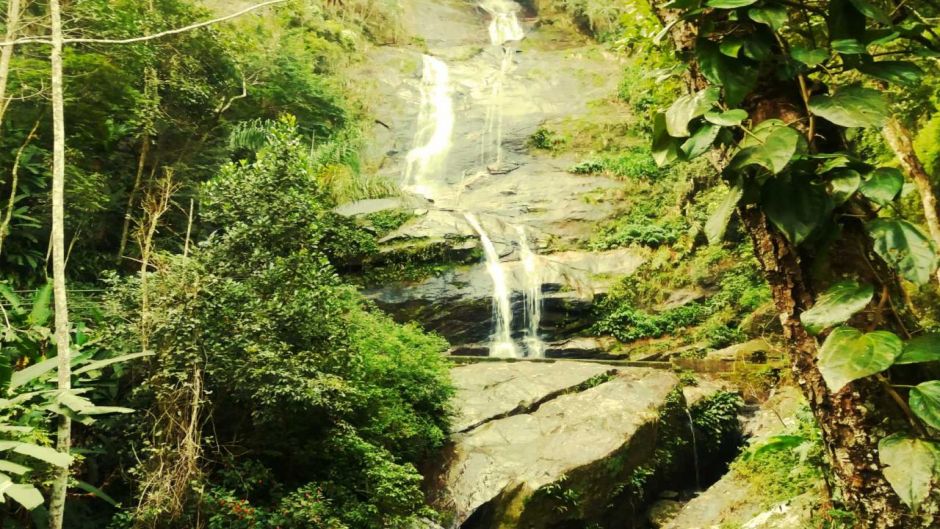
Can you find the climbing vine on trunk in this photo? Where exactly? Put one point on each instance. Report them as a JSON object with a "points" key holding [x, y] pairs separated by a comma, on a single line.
{"points": [[775, 88]]}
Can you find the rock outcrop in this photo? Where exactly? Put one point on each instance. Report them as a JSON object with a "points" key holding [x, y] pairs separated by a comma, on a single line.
{"points": [[458, 304], [543, 442]]}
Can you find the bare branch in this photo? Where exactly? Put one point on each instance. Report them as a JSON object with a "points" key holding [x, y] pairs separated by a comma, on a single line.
{"points": [[145, 38]]}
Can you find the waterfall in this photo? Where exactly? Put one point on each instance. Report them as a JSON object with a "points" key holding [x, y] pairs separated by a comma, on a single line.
{"points": [[504, 28], [502, 345], [532, 295], [425, 161]]}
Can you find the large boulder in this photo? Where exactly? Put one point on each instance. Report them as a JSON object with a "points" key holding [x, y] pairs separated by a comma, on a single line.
{"points": [[570, 458]]}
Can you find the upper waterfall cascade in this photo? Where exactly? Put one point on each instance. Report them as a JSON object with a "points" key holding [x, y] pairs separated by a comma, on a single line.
{"points": [[426, 170]]}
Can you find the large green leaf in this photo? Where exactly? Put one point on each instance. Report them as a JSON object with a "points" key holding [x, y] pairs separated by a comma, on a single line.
{"points": [[910, 467], [849, 46], [688, 107], [737, 76], [729, 4], [848, 354], [836, 305], [718, 222], [44, 453], [701, 141], [773, 15], [871, 11], [665, 148], [26, 495], [771, 145], [796, 207], [843, 184], [925, 402], [904, 246], [882, 185], [924, 348], [854, 106], [898, 72], [32, 372], [101, 364], [41, 302], [728, 118], [809, 57]]}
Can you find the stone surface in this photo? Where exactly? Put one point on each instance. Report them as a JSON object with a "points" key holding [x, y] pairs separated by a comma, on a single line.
{"points": [[662, 511], [486, 391], [502, 463]]}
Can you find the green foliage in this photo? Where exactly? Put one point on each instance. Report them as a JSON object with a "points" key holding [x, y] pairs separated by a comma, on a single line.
{"points": [[334, 401], [906, 247], [632, 163], [628, 324], [716, 419], [911, 466], [545, 139], [848, 354], [836, 305]]}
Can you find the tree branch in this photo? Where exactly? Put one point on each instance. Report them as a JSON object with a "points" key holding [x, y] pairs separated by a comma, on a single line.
{"points": [[133, 40]]}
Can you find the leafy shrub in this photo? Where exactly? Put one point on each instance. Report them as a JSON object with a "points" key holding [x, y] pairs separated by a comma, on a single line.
{"points": [[545, 139], [716, 419], [627, 323], [332, 402], [634, 162]]}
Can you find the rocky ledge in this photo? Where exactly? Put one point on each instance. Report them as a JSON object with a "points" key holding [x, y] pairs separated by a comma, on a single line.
{"points": [[538, 444]]}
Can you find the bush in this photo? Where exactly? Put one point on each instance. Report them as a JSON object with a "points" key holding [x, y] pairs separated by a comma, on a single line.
{"points": [[328, 404]]}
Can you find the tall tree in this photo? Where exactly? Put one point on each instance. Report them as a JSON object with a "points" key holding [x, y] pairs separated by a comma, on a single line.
{"points": [[769, 102], [64, 434]]}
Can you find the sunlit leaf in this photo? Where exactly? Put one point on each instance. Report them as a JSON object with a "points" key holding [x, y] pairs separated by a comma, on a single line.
{"points": [[854, 106], [728, 118], [809, 57], [904, 246], [773, 15], [836, 305], [925, 402], [910, 466], [882, 185], [848, 354], [924, 348], [686, 108], [701, 141]]}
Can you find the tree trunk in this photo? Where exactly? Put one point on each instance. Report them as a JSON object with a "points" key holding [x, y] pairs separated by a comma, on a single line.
{"points": [[851, 426], [64, 437], [851, 429], [899, 139], [13, 26]]}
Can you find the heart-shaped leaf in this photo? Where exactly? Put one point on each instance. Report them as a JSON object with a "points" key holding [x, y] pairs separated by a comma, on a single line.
{"points": [[882, 185], [904, 246], [848, 354], [851, 107], [772, 15], [687, 108], [924, 348], [925, 402], [771, 145], [843, 184], [809, 57], [796, 207], [836, 305], [910, 466]]}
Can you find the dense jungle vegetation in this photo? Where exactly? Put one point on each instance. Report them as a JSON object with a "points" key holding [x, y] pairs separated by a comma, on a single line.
{"points": [[184, 344]]}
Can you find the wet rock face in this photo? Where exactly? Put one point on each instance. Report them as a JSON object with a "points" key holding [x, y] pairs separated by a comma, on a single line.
{"points": [[544, 438], [458, 303]]}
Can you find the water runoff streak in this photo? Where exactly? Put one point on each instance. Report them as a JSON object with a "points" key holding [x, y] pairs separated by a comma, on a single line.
{"points": [[425, 161], [424, 175]]}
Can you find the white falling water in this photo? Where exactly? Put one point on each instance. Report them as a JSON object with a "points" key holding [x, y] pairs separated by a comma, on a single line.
{"points": [[502, 345], [504, 29], [425, 162], [531, 295]]}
